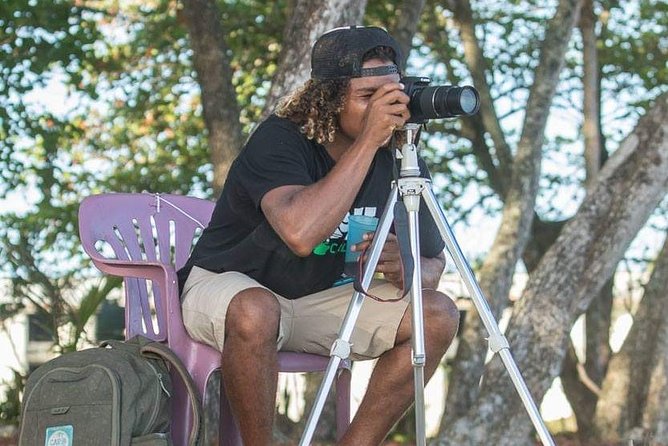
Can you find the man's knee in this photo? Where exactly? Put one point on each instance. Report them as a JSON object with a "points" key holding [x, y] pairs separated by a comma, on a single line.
{"points": [[253, 315], [441, 316]]}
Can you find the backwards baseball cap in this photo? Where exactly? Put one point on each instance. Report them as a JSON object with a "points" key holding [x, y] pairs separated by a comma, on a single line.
{"points": [[339, 53]]}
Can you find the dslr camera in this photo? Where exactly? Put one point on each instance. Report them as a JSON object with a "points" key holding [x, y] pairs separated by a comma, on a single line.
{"points": [[441, 101]]}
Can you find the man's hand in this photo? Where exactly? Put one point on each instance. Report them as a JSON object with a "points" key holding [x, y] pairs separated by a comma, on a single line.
{"points": [[389, 262], [387, 111]]}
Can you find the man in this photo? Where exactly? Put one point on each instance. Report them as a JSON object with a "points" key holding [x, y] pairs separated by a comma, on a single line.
{"points": [[262, 276]]}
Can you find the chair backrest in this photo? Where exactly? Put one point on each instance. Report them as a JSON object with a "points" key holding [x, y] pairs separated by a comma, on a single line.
{"points": [[145, 228]]}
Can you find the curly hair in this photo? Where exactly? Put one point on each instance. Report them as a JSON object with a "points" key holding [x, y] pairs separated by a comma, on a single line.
{"points": [[315, 106]]}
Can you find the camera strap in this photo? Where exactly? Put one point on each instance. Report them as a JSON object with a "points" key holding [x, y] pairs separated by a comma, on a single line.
{"points": [[401, 224], [401, 230]]}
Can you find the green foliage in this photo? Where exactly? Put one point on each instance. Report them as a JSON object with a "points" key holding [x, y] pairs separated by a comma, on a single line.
{"points": [[254, 31], [40, 41], [632, 47], [147, 113]]}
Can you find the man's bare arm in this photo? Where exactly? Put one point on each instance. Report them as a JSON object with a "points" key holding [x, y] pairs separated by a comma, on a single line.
{"points": [[304, 216]]}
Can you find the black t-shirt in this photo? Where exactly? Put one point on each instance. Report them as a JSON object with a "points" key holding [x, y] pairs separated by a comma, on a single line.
{"points": [[239, 238]]}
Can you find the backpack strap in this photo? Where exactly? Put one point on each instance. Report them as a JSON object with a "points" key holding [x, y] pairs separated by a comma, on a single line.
{"points": [[160, 350]]}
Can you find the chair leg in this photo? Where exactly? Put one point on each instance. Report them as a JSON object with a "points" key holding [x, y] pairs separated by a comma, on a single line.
{"points": [[342, 402], [229, 429]]}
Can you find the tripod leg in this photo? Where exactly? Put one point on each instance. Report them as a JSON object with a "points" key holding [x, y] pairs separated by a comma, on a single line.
{"points": [[497, 341], [412, 203], [341, 347]]}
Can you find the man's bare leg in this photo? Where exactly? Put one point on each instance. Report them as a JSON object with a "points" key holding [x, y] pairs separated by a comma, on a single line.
{"points": [[250, 362], [390, 391]]}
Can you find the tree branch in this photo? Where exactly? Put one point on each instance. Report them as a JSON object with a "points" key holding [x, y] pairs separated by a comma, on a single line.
{"points": [[478, 69]]}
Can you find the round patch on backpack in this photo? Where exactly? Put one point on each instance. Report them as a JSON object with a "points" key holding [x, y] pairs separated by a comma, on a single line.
{"points": [[59, 436]]}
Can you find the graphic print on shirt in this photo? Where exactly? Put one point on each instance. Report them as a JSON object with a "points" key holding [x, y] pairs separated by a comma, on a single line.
{"points": [[336, 242]]}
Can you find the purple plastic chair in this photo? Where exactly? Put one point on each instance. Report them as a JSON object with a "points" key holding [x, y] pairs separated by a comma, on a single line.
{"points": [[145, 238]]}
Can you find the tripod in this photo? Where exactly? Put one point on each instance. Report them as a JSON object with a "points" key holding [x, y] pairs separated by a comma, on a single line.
{"points": [[412, 187]]}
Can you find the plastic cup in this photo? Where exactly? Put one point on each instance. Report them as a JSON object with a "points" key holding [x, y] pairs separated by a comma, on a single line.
{"points": [[358, 225]]}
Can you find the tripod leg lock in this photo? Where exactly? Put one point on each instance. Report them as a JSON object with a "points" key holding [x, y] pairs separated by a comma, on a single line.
{"points": [[419, 360], [412, 187], [340, 348], [497, 343]]}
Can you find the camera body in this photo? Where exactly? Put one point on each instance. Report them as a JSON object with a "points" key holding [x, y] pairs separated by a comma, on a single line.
{"points": [[442, 101]]}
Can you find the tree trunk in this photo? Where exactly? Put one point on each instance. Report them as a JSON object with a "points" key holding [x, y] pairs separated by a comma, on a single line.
{"points": [[499, 266], [572, 272], [598, 316], [408, 16], [591, 124], [581, 382], [598, 321], [214, 75], [581, 396], [655, 417], [543, 236], [310, 19], [625, 389]]}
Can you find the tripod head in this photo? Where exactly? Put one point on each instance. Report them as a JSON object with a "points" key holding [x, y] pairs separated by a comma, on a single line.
{"points": [[408, 150]]}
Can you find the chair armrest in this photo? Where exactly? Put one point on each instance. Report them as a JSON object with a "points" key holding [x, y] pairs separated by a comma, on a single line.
{"points": [[140, 269], [162, 275]]}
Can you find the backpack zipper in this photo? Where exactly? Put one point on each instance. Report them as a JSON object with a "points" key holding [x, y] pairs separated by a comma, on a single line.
{"points": [[162, 386], [156, 407]]}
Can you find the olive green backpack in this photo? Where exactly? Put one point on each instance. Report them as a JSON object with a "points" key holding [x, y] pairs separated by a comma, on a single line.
{"points": [[116, 394]]}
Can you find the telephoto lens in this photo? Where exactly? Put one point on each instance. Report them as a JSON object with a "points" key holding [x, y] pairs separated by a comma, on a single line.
{"points": [[444, 101]]}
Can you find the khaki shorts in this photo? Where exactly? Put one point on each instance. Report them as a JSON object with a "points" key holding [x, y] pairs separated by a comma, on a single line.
{"points": [[309, 324]]}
